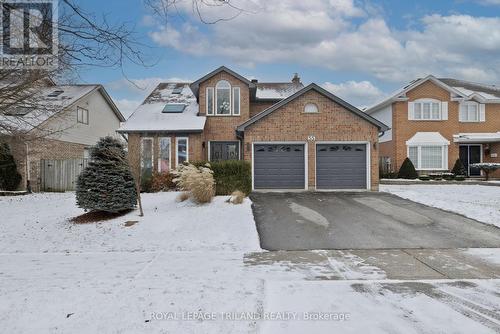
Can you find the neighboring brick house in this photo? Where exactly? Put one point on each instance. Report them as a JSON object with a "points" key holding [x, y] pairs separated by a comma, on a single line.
{"points": [[435, 121], [296, 137], [73, 119]]}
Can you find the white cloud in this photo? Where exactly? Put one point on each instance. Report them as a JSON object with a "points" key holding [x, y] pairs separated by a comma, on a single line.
{"points": [[323, 32], [489, 2], [127, 107], [358, 93]]}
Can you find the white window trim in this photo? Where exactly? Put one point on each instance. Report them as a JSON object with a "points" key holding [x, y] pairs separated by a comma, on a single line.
{"points": [[152, 150], [169, 153], [467, 104], [177, 150], [84, 112], [213, 100], [444, 156], [422, 101], [230, 100], [311, 112], [234, 89]]}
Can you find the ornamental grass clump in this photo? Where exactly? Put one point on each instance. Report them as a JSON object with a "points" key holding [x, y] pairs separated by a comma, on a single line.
{"points": [[197, 181]]}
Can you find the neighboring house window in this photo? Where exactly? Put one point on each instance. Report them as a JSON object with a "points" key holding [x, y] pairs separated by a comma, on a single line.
{"points": [[181, 149], [236, 100], [210, 101], [86, 153], [223, 98], [82, 115], [224, 150], [146, 158], [429, 157], [428, 110], [164, 155], [311, 108], [472, 112]]}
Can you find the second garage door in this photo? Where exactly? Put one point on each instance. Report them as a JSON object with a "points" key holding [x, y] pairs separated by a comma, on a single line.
{"points": [[279, 166], [341, 166]]}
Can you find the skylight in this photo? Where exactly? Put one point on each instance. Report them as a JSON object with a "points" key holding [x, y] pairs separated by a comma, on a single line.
{"points": [[55, 93], [177, 90], [173, 108]]}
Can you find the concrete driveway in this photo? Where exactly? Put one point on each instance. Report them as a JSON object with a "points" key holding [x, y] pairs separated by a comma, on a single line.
{"points": [[303, 221]]}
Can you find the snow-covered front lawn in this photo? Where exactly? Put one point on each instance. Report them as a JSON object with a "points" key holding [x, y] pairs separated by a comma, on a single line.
{"points": [[477, 202], [40, 223], [185, 268]]}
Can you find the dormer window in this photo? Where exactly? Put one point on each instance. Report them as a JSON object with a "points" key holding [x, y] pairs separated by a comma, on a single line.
{"points": [[223, 98]]}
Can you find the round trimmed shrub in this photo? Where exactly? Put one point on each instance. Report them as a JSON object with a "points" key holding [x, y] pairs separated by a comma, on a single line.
{"points": [[107, 183]]}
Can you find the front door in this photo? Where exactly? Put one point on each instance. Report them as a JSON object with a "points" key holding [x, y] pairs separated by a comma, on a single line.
{"points": [[471, 154], [227, 150]]}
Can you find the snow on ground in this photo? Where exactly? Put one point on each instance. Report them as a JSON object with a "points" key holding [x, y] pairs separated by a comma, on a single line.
{"points": [[491, 255], [39, 223], [477, 202], [182, 269]]}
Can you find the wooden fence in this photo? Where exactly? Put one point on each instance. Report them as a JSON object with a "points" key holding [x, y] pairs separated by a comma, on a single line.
{"points": [[60, 175]]}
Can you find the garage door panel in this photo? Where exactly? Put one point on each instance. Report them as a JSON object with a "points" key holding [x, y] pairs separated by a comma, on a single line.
{"points": [[279, 166], [341, 166]]}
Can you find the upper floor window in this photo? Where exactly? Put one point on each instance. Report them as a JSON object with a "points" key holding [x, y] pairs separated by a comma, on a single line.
{"points": [[311, 108], [236, 100], [82, 115], [427, 110], [471, 112], [210, 101], [223, 98]]}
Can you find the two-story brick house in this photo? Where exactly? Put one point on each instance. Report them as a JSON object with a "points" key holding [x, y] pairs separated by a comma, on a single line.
{"points": [[435, 121], [296, 137]]}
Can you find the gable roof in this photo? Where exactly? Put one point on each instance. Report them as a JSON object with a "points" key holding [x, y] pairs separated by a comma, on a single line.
{"points": [[150, 115], [195, 86], [49, 106], [382, 127], [460, 89]]}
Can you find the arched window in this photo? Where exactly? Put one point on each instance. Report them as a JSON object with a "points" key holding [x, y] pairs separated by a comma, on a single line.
{"points": [[223, 98], [311, 108]]}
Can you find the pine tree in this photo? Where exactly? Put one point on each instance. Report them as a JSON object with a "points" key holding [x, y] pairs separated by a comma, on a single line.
{"points": [[407, 170], [107, 183], [9, 176], [459, 168]]}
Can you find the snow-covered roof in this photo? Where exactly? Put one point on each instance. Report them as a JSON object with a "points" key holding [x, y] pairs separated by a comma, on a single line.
{"points": [[485, 137], [47, 102], [276, 90], [149, 116], [427, 138]]}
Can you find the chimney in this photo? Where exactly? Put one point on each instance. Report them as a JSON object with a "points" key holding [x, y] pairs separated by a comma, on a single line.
{"points": [[296, 79]]}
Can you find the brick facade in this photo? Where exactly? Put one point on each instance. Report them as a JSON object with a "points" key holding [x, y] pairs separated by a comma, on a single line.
{"points": [[289, 123], [332, 123], [403, 129]]}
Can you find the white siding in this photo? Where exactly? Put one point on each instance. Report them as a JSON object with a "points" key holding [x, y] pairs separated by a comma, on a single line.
{"points": [[102, 121], [385, 116]]}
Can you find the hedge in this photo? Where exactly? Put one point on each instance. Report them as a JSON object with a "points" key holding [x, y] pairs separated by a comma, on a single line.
{"points": [[230, 175]]}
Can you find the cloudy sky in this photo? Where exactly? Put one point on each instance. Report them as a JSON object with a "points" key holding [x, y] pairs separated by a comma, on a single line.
{"points": [[360, 50]]}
